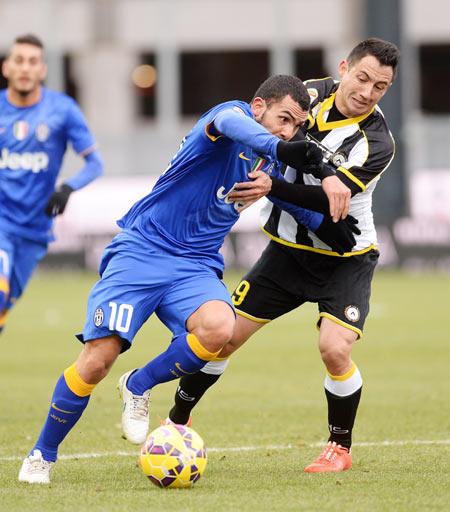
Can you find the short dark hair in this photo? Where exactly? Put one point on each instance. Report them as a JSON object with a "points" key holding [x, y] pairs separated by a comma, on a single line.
{"points": [[385, 52], [29, 39], [276, 87]]}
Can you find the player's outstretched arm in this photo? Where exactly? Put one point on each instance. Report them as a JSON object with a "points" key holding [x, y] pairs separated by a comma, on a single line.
{"points": [[308, 157], [313, 197], [299, 154], [92, 169], [307, 196], [237, 126], [304, 156], [340, 236], [241, 128]]}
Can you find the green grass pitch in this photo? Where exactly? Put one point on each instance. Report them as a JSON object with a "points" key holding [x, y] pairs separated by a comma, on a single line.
{"points": [[263, 422]]}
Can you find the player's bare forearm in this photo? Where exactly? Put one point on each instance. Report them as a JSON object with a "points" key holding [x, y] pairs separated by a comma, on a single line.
{"points": [[259, 186], [338, 195]]}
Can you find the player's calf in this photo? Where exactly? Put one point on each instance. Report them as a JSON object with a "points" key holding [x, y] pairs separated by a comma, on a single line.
{"points": [[185, 355], [191, 389]]}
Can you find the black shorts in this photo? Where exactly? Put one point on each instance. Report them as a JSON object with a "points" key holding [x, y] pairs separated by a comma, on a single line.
{"points": [[284, 278]]}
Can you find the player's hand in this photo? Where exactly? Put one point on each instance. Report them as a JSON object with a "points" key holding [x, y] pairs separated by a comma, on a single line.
{"points": [[339, 196], [340, 236], [314, 162], [248, 192], [301, 155], [58, 201]]}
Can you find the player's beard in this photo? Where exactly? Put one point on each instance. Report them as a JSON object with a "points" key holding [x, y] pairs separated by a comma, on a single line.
{"points": [[24, 92]]}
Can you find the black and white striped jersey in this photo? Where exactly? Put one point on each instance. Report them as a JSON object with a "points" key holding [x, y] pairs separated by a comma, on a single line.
{"points": [[360, 149]]}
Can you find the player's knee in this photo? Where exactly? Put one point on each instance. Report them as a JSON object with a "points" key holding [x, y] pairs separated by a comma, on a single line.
{"points": [[215, 332], [335, 354], [335, 345], [97, 358], [214, 339]]}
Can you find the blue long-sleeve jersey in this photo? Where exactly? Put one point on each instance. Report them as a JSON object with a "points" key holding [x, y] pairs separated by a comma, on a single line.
{"points": [[188, 212], [33, 141]]}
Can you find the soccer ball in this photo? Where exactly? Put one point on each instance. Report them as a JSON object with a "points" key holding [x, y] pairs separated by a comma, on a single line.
{"points": [[173, 456]]}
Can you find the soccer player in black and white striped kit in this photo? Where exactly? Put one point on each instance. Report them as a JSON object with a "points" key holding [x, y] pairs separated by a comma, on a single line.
{"points": [[297, 267]]}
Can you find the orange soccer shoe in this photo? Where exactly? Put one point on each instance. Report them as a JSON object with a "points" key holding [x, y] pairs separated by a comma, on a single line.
{"points": [[333, 458]]}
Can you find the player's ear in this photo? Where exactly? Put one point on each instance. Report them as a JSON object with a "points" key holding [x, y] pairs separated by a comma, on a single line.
{"points": [[343, 68], [259, 106], [43, 73], [5, 70]]}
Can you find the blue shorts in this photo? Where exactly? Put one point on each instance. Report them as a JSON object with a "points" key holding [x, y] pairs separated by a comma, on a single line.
{"points": [[18, 259], [138, 279]]}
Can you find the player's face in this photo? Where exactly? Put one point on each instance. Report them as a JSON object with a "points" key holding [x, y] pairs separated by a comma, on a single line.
{"points": [[281, 118], [24, 68], [362, 85]]}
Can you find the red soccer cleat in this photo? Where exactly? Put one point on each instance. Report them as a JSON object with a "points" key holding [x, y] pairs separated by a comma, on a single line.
{"points": [[333, 458]]}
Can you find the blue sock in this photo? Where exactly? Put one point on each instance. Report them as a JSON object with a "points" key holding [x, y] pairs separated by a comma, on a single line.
{"points": [[3, 300], [183, 356], [69, 400]]}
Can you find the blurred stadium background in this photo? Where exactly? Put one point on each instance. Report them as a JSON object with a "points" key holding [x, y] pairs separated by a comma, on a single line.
{"points": [[142, 70]]}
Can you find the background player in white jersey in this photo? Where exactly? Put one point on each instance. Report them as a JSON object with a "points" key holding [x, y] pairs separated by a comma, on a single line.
{"points": [[166, 259], [36, 124], [298, 267]]}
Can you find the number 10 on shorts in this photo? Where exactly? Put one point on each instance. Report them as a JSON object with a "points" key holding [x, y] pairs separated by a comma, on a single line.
{"points": [[120, 318]]}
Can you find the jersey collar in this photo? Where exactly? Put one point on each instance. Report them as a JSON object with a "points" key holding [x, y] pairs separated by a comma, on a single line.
{"points": [[326, 106]]}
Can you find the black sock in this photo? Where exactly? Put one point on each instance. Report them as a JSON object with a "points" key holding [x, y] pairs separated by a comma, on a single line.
{"points": [[341, 416], [189, 391]]}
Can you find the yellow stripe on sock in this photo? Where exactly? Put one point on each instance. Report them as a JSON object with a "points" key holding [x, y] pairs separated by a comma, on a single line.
{"points": [[220, 358], [345, 376], [199, 350], [3, 316], [75, 383], [4, 285]]}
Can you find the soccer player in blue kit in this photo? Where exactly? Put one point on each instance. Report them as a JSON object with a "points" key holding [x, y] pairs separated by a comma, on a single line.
{"points": [[36, 124], [166, 259]]}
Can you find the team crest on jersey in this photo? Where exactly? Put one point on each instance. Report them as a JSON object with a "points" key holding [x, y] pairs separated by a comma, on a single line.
{"points": [[269, 169], [20, 130], [313, 93], [98, 317], [42, 132], [352, 313]]}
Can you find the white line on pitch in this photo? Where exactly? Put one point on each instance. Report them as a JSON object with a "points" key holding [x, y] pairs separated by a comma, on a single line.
{"points": [[247, 448]]}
